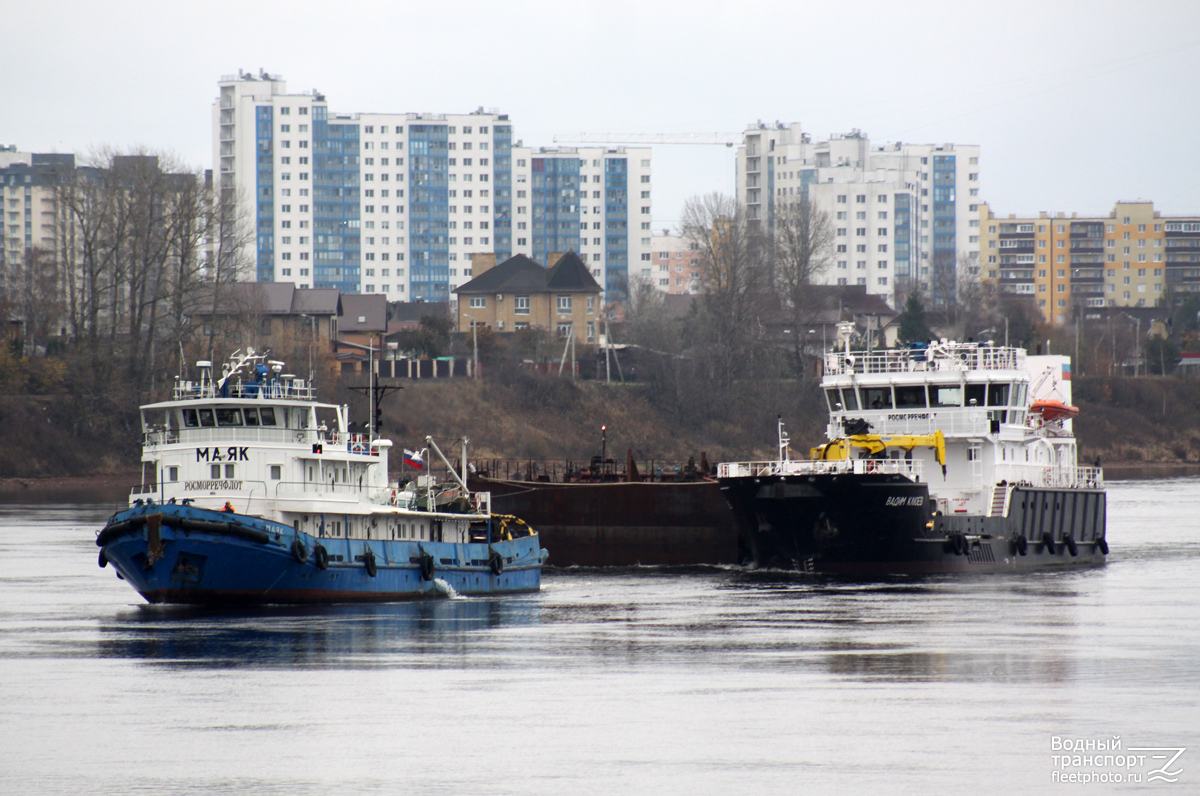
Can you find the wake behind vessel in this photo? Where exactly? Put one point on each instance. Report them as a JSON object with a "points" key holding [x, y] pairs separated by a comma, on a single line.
{"points": [[256, 493], [956, 457]]}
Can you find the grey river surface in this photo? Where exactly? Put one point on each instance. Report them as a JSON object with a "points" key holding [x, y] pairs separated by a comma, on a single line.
{"points": [[632, 681]]}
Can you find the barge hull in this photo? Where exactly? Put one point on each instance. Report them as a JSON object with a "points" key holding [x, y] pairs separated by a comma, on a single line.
{"points": [[622, 524]]}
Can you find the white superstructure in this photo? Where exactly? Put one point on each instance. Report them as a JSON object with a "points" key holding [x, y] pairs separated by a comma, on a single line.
{"points": [[256, 439]]}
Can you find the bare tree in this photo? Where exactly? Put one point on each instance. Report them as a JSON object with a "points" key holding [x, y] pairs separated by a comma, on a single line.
{"points": [[802, 246], [34, 291], [146, 233], [735, 283]]}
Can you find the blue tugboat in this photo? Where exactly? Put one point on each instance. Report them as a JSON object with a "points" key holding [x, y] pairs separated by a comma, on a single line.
{"points": [[254, 493]]}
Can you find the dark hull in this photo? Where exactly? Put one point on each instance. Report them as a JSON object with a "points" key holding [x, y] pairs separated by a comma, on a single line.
{"points": [[878, 525], [622, 524]]}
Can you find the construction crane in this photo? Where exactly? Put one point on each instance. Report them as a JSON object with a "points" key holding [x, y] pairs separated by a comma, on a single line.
{"points": [[661, 139]]}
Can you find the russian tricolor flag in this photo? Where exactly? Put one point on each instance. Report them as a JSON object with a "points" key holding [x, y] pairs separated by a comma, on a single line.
{"points": [[413, 459], [1066, 371]]}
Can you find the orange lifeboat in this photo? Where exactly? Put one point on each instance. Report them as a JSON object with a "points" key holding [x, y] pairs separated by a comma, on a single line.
{"points": [[1051, 410]]}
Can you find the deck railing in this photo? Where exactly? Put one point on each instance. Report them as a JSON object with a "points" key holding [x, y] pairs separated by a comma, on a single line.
{"points": [[910, 468], [938, 357]]}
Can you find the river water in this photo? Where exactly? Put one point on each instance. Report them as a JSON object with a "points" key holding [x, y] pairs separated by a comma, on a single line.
{"points": [[642, 681]]}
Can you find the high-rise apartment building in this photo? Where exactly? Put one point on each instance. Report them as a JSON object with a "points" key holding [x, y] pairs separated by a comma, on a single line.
{"points": [[591, 199], [1128, 258], [32, 215], [399, 203], [904, 215]]}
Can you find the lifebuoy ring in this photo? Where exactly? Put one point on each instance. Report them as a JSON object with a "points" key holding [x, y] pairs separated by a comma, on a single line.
{"points": [[496, 562], [1072, 547], [1102, 543], [427, 569], [299, 551], [1048, 541], [321, 557]]}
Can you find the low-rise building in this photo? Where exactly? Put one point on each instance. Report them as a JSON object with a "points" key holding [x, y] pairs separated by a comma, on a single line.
{"points": [[521, 294]]}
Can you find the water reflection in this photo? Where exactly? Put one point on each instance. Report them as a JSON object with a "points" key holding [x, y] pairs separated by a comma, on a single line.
{"points": [[298, 636]]}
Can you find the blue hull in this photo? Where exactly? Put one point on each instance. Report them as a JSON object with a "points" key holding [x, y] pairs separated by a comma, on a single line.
{"points": [[200, 556]]}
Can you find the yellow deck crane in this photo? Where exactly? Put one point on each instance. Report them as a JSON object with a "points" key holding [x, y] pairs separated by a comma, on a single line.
{"points": [[876, 444]]}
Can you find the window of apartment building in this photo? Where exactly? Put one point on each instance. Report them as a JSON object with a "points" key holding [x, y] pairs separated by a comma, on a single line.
{"points": [[520, 305], [860, 231], [841, 199], [564, 303], [860, 265], [861, 248], [478, 302]]}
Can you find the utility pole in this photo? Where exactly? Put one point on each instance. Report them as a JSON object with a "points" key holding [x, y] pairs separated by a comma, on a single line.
{"points": [[475, 345], [607, 348]]}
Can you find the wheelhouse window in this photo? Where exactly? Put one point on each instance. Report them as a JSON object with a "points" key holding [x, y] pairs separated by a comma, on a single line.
{"points": [[877, 397], [267, 415], [940, 397], [229, 416], [910, 397], [976, 394], [850, 399], [251, 416], [206, 418], [189, 418], [998, 394]]}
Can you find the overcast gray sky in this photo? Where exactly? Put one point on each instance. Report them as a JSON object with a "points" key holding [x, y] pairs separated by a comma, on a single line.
{"points": [[1075, 104]]}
